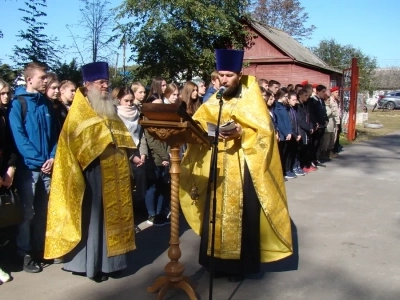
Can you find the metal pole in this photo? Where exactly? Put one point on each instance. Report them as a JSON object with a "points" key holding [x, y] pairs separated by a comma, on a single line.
{"points": [[116, 66], [124, 58]]}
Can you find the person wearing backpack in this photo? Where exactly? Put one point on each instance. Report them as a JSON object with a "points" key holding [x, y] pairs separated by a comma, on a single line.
{"points": [[33, 126]]}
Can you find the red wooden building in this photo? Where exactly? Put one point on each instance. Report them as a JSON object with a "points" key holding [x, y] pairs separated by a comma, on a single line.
{"points": [[273, 54]]}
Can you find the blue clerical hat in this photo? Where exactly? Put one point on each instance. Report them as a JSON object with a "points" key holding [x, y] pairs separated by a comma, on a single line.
{"points": [[229, 60], [95, 71]]}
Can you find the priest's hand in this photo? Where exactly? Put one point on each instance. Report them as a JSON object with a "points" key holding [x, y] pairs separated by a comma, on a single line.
{"points": [[48, 166], [232, 134]]}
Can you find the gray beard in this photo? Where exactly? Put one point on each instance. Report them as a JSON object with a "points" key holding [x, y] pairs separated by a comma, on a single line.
{"points": [[102, 105]]}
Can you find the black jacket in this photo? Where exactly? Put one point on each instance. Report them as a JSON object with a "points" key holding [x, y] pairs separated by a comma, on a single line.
{"points": [[292, 111], [317, 111], [8, 151], [304, 121], [61, 112]]}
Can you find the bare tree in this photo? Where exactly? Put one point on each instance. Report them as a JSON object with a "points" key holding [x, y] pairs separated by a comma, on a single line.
{"points": [[387, 78], [96, 24], [287, 15]]}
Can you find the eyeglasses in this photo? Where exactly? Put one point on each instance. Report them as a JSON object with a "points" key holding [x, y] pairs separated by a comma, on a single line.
{"points": [[102, 82]]}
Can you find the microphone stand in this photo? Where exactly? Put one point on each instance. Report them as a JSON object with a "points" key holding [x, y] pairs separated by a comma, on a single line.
{"points": [[213, 179]]}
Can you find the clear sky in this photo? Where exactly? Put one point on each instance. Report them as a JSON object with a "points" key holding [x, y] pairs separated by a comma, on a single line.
{"points": [[371, 25]]}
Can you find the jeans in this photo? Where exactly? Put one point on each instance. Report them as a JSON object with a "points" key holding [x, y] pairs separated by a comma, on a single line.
{"points": [[33, 188], [156, 192]]}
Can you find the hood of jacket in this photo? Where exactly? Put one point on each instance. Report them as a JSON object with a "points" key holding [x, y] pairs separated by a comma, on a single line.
{"points": [[21, 91]]}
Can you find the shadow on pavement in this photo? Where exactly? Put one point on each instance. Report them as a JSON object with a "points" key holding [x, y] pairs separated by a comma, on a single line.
{"points": [[150, 244]]}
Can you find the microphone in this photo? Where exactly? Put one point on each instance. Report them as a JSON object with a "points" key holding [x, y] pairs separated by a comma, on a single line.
{"points": [[220, 92]]}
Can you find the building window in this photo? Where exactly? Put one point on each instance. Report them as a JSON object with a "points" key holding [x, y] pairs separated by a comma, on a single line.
{"points": [[333, 83]]}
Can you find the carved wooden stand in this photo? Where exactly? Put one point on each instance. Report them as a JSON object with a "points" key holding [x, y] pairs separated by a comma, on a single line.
{"points": [[171, 124]]}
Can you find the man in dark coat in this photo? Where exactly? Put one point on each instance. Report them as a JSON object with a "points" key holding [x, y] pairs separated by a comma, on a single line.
{"points": [[319, 119]]}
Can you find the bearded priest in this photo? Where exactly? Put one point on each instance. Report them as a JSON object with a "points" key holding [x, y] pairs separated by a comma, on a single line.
{"points": [[252, 219], [90, 214]]}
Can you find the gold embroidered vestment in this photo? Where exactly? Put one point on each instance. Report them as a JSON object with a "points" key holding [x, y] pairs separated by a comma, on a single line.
{"points": [[259, 150], [86, 136]]}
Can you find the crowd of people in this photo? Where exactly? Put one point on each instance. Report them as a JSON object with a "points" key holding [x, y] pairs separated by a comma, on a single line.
{"points": [[78, 159], [307, 122]]}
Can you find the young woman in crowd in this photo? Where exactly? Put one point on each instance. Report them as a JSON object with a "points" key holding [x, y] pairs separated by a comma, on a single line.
{"points": [[129, 114], [201, 90], [306, 131], [270, 100], [63, 103], [157, 88], [67, 92], [285, 130], [139, 92], [52, 87], [157, 177], [264, 93], [5, 95], [171, 94], [8, 163], [293, 162], [190, 97]]}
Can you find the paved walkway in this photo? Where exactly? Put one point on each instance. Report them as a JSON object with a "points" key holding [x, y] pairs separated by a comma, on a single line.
{"points": [[346, 221]]}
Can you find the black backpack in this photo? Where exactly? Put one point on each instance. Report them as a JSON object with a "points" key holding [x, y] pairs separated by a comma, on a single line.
{"points": [[22, 101]]}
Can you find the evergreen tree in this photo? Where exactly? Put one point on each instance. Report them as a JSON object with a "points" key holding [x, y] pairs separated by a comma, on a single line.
{"points": [[7, 73], [69, 71], [39, 47]]}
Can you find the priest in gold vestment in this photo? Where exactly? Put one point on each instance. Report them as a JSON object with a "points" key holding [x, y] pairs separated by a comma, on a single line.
{"points": [[90, 215], [252, 218]]}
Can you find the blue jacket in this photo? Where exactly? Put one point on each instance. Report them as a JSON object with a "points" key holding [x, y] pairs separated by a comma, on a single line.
{"points": [[282, 120], [210, 91], [36, 136]]}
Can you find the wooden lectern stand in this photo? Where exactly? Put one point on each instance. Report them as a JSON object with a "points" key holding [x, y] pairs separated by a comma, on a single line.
{"points": [[171, 124]]}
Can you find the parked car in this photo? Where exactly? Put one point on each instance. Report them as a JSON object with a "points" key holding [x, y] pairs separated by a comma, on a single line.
{"points": [[390, 100]]}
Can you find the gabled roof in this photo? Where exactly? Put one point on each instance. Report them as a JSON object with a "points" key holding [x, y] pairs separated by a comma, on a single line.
{"points": [[289, 46]]}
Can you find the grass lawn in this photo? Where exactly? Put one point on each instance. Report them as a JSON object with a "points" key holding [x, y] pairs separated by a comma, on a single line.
{"points": [[389, 119]]}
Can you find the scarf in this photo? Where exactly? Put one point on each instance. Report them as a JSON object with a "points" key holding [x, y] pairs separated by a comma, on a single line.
{"points": [[130, 116]]}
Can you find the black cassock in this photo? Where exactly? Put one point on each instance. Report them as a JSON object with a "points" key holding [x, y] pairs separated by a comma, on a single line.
{"points": [[250, 247]]}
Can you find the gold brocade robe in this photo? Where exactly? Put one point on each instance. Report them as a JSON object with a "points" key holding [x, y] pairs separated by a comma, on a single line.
{"points": [[84, 137], [259, 150]]}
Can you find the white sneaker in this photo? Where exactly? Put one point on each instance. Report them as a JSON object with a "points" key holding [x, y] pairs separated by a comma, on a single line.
{"points": [[4, 277]]}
